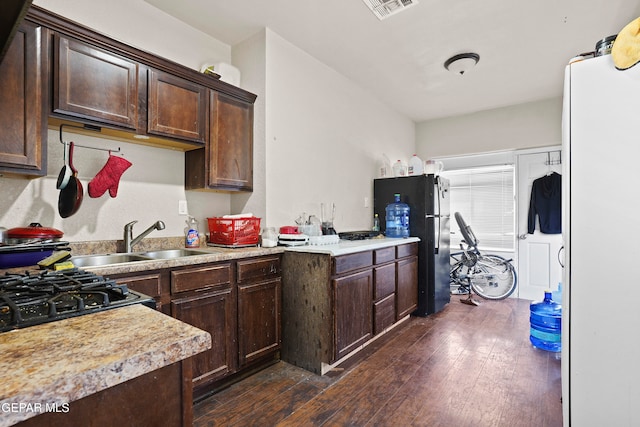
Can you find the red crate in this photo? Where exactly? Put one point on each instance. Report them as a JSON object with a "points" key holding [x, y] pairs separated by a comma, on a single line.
{"points": [[234, 231]]}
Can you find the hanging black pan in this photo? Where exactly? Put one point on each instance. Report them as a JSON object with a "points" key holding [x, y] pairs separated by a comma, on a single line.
{"points": [[70, 197], [65, 172]]}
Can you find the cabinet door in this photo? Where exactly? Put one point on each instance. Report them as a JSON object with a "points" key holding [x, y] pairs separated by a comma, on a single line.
{"points": [[259, 330], [177, 108], [352, 311], [230, 155], [23, 100], [214, 312], [407, 286], [94, 84]]}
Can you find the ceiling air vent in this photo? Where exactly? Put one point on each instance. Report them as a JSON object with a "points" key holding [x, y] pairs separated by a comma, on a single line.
{"points": [[385, 8]]}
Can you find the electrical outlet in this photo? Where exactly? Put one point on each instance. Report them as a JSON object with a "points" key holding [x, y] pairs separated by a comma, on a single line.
{"points": [[182, 207], [366, 202]]}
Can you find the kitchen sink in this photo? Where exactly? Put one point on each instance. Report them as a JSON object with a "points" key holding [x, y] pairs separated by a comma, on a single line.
{"points": [[172, 253], [109, 259], [100, 260]]}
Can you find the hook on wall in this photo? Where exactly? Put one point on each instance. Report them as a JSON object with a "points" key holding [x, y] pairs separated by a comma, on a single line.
{"points": [[89, 128]]}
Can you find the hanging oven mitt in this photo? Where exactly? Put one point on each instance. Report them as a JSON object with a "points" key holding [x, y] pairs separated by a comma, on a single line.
{"points": [[109, 177]]}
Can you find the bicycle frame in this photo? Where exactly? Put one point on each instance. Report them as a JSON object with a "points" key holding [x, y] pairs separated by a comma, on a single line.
{"points": [[490, 276], [457, 257]]}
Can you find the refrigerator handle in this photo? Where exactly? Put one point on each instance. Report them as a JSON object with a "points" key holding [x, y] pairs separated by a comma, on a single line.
{"points": [[438, 197], [437, 246]]}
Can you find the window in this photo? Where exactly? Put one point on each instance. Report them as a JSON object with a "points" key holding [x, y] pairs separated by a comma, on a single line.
{"points": [[485, 198]]}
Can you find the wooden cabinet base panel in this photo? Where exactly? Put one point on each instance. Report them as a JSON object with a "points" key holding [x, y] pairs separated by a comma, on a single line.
{"points": [[201, 393], [162, 397], [328, 367]]}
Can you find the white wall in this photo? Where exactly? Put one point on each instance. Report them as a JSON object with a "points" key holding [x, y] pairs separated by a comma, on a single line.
{"points": [[324, 137], [249, 56], [535, 124]]}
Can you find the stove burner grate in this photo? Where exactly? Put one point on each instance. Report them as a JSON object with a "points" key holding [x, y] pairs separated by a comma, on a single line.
{"points": [[30, 299]]}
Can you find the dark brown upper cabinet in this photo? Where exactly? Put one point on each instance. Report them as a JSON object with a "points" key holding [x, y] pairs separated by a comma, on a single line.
{"points": [[23, 102], [177, 107], [131, 94], [226, 161], [94, 84]]}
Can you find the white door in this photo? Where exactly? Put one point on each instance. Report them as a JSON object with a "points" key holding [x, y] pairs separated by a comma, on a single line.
{"points": [[538, 266]]}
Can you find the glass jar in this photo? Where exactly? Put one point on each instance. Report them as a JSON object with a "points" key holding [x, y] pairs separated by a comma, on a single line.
{"points": [[269, 237]]}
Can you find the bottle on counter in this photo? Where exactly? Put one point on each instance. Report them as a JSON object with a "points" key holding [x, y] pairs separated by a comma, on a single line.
{"points": [[192, 236], [397, 218], [376, 223], [269, 237]]}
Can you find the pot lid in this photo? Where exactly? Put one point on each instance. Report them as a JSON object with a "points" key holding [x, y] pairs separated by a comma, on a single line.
{"points": [[34, 231]]}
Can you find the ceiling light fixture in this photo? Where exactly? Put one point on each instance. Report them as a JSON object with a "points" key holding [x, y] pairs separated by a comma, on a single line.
{"points": [[461, 63]]}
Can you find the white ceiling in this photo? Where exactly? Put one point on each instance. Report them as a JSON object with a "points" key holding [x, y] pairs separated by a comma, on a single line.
{"points": [[523, 45]]}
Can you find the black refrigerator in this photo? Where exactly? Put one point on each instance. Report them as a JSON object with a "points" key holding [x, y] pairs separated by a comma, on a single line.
{"points": [[428, 199]]}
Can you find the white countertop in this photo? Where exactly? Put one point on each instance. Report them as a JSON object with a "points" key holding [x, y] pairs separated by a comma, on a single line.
{"points": [[344, 247]]}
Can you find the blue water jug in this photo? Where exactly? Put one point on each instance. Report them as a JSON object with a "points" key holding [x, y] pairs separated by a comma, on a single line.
{"points": [[546, 324], [397, 218]]}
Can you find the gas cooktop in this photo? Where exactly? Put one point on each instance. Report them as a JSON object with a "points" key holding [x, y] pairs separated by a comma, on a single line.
{"points": [[33, 298], [358, 235]]}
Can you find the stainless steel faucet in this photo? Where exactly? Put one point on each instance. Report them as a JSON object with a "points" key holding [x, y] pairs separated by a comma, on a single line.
{"points": [[129, 241]]}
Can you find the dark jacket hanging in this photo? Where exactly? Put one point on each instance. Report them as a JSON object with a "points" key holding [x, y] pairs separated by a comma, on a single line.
{"points": [[546, 203]]}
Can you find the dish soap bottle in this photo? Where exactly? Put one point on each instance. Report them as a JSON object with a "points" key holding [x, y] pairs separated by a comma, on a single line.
{"points": [[192, 237]]}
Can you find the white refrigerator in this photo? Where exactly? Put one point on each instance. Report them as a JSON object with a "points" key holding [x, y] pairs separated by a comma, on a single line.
{"points": [[601, 210]]}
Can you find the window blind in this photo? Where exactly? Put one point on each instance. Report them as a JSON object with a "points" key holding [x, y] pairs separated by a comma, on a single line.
{"points": [[485, 198]]}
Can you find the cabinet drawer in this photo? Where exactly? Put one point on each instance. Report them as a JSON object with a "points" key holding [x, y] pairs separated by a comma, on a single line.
{"points": [[407, 250], [200, 278], [384, 314], [345, 263], [149, 284], [384, 279], [254, 270], [380, 256]]}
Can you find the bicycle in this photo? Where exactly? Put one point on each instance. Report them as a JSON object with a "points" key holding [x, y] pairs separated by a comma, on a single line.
{"points": [[490, 276]]}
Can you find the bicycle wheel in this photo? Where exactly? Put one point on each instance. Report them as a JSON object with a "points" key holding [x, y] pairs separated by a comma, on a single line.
{"points": [[494, 278]]}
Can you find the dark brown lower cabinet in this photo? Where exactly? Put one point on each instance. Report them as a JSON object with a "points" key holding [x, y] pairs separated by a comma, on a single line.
{"points": [[214, 312], [238, 302], [258, 320], [333, 305], [159, 398], [353, 326], [407, 286]]}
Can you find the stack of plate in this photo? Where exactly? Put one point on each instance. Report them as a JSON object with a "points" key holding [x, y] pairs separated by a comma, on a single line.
{"points": [[293, 239]]}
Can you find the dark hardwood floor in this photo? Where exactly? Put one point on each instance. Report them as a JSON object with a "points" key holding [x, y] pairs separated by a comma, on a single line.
{"points": [[465, 366]]}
